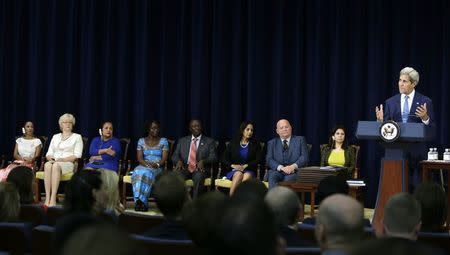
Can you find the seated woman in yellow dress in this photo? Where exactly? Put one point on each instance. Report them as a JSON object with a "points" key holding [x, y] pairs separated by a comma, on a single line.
{"points": [[337, 152]]}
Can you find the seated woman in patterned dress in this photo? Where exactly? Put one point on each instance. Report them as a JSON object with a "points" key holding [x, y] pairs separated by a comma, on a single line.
{"points": [[105, 150], [242, 156], [152, 153], [28, 147], [337, 152]]}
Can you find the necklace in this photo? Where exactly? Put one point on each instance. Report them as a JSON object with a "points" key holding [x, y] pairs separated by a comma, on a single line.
{"points": [[244, 145], [65, 137]]}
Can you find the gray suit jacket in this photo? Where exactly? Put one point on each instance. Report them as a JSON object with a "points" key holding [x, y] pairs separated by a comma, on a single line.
{"points": [[297, 152], [206, 150]]}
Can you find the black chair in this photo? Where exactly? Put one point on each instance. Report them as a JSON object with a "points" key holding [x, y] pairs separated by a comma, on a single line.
{"points": [[134, 223], [42, 240], [54, 213], [124, 162], [306, 233], [15, 237], [302, 250], [33, 214], [165, 246], [439, 240]]}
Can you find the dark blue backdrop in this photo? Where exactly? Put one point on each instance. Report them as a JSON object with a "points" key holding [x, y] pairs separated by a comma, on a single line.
{"points": [[315, 62]]}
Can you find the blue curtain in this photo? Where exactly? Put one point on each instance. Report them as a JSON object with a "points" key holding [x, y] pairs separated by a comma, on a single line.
{"points": [[315, 62]]}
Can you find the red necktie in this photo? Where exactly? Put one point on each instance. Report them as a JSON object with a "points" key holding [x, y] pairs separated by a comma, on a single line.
{"points": [[192, 162]]}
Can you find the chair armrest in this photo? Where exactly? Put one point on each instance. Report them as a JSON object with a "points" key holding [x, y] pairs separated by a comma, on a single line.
{"points": [[219, 171], [258, 170], [355, 174], [128, 167], [77, 165], [43, 160], [211, 171], [266, 173], [123, 167], [2, 161]]}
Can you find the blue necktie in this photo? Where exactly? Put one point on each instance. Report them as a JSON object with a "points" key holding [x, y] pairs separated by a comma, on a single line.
{"points": [[405, 112]]}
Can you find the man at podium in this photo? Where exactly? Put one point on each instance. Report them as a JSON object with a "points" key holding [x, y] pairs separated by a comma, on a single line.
{"points": [[409, 106]]}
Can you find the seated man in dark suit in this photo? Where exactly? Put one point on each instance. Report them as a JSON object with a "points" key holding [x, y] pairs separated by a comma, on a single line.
{"points": [[192, 155], [409, 106], [171, 194], [287, 210], [285, 154]]}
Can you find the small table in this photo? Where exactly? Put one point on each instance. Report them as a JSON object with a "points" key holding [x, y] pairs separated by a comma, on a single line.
{"points": [[428, 166], [303, 187]]}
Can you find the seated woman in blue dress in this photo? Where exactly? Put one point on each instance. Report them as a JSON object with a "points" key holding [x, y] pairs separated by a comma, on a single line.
{"points": [[337, 152], [152, 153], [242, 156], [105, 150]]}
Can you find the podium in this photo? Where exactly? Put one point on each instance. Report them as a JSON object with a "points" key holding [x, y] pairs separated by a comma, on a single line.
{"points": [[394, 175]]}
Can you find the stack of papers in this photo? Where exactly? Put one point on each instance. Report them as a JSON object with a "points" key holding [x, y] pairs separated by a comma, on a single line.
{"points": [[356, 183], [331, 168]]}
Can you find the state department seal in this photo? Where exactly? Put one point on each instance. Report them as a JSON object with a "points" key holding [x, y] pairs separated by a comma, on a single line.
{"points": [[389, 131]]}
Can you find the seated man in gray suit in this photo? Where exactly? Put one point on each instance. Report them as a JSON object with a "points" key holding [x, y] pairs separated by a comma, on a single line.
{"points": [[285, 154], [193, 153]]}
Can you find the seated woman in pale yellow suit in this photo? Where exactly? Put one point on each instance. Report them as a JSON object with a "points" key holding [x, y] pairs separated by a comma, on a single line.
{"points": [[337, 152], [64, 149]]}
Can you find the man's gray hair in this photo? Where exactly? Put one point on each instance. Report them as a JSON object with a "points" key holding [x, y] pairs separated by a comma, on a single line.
{"points": [[402, 213], [285, 205], [412, 74], [342, 218]]}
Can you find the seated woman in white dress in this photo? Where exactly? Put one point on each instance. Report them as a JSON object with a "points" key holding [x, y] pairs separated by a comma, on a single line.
{"points": [[28, 147], [64, 149]]}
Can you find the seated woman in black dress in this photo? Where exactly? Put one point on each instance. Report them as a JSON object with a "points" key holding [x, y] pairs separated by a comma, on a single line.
{"points": [[337, 152], [242, 156]]}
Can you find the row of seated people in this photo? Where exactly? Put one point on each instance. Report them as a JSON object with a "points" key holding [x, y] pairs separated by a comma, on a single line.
{"points": [[249, 222], [285, 155]]}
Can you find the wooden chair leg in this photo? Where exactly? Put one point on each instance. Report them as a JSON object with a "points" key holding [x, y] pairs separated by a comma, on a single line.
{"points": [[37, 194], [38, 191], [124, 195]]}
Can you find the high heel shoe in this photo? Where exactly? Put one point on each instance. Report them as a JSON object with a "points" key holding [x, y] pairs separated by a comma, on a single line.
{"points": [[138, 206], [144, 208]]}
